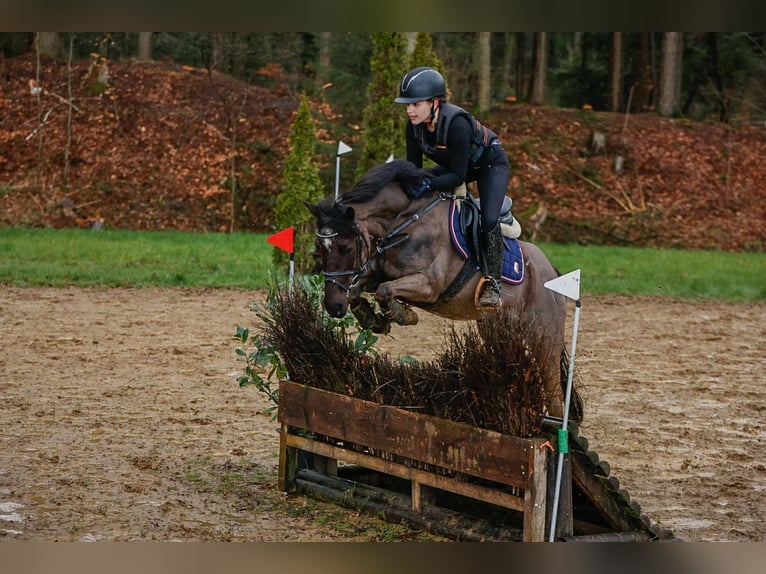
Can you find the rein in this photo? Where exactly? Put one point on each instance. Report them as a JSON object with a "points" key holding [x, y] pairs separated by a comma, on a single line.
{"points": [[384, 244], [389, 241]]}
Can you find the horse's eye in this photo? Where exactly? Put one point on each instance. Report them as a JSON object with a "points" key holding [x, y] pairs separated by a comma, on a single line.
{"points": [[345, 250]]}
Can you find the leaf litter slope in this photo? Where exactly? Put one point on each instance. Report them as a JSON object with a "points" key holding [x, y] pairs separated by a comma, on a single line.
{"points": [[153, 150]]}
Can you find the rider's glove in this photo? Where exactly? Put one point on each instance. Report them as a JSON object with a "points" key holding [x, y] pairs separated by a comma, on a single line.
{"points": [[425, 185]]}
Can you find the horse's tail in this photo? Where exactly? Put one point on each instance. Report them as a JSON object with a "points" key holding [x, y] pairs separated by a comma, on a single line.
{"points": [[575, 400]]}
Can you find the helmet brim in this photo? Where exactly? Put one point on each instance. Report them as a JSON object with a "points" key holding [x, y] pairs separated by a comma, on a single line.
{"points": [[401, 100]]}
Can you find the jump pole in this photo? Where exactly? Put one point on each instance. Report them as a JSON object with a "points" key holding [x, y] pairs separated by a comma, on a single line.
{"points": [[342, 149], [569, 286]]}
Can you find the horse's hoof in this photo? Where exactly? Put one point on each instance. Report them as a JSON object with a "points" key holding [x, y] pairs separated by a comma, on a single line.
{"points": [[400, 314], [410, 317]]}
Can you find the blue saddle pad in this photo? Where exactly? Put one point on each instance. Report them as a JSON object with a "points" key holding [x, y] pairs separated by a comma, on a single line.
{"points": [[513, 258]]}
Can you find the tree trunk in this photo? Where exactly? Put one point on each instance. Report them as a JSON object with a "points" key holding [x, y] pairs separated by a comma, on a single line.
{"points": [[670, 75], [615, 72], [521, 88], [144, 46], [411, 37], [49, 44], [506, 76], [485, 70], [325, 38], [215, 41], [582, 74], [715, 73], [537, 95], [643, 88]]}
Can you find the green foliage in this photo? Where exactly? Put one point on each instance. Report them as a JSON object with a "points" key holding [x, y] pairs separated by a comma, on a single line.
{"points": [[423, 55], [301, 182], [578, 77], [383, 124], [349, 68], [263, 352], [478, 379]]}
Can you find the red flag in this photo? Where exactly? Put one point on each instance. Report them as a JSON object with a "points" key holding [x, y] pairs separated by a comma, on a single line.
{"points": [[283, 239]]}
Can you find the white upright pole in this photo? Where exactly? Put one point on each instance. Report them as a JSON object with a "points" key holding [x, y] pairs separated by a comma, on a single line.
{"points": [[342, 149], [292, 273], [337, 175], [569, 286]]}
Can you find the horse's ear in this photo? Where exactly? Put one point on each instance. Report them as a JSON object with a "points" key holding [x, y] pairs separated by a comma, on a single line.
{"points": [[312, 207]]}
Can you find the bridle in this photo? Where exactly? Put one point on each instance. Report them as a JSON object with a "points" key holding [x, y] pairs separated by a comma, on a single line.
{"points": [[392, 239], [361, 268]]}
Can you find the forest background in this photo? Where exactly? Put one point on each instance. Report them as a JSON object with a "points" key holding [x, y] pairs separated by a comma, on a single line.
{"points": [[645, 139]]}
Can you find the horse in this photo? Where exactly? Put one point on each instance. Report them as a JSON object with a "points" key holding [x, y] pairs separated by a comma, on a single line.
{"points": [[378, 238]]}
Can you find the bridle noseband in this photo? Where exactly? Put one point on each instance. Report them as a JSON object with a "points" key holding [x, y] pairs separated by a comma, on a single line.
{"points": [[331, 277]]}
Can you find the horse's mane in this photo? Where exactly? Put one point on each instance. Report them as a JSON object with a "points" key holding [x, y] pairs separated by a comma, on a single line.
{"points": [[380, 176], [333, 214]]}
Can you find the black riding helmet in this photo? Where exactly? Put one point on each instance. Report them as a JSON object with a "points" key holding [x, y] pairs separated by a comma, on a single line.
{"points": [[422, 83]]}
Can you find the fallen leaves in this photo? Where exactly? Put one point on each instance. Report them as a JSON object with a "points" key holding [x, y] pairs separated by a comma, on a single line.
{"points": [[159, 135]]}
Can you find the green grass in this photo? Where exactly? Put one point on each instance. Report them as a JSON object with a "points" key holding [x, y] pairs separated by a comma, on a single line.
{"points": [[667, 272], [134, 259], [243, 261]]}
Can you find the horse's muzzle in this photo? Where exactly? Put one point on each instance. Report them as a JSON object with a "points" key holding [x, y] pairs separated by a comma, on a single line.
{"points": [[336, 309]]}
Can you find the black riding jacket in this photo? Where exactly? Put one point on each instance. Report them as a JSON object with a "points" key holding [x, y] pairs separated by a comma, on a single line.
{"points": [[459, 146]]}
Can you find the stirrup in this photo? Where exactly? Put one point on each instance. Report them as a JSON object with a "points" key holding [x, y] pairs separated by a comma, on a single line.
{"points": [[479, 290]]}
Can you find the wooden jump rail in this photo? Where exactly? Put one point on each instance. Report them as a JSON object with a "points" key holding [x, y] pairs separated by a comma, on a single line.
{"points": [[433, 453], [471, 451]]}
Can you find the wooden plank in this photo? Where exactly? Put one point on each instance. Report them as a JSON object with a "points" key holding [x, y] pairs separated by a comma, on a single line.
{"points": [[535, 495], [630, 536], [464, 448], [288, 463], [478, 492], [598, 494], [565, 514], [396, 508], [417, 501]]}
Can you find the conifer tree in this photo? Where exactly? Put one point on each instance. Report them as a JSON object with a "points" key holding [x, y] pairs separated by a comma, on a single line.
{"points": [[300, 181], [383, 120], [423, 55]]}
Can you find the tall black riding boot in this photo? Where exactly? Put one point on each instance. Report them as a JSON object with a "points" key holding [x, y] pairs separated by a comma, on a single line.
{"points": [[492, 268]]}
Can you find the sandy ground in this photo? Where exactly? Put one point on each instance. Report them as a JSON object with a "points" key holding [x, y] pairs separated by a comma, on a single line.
{"points": [[122, 418]]}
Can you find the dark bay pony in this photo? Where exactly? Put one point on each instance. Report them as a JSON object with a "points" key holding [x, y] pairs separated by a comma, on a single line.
{"points": [[375, 238]]}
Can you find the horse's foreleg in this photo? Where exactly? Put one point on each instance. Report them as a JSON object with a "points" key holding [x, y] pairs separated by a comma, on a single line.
{"points": [[412, 288], [368, 318], [400, 313]]}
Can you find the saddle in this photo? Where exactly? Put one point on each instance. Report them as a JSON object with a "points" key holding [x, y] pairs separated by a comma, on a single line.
{"points": [[469, 208]]}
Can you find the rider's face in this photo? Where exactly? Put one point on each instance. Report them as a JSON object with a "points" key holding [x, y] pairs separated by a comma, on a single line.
{"points": [[419, 112]]}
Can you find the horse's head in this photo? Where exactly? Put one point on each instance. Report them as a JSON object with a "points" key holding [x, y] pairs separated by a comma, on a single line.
{"points": [[339, 246]]}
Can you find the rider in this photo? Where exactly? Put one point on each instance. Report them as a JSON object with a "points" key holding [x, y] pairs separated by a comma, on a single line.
{"points": [[464, 151]]}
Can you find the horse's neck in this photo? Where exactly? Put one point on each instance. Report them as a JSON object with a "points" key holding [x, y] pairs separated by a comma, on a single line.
{"points": [[380, 217]]}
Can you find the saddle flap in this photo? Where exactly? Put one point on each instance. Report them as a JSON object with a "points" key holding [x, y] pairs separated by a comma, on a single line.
{"points": [[464, 235]]}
